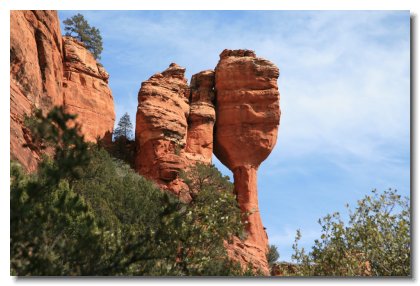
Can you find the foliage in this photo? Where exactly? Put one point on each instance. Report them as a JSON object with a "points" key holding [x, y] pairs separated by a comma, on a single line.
{"points": [[206, 177], [53, 132], [272, 255], [123, 145], [98, 217], [78, 27], [375, 240], [53, 231], [211, 218], [124, 128]]}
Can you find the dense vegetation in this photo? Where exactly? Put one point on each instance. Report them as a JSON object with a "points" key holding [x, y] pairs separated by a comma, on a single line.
{"points": [[79, 28], [374, 241], [86, 213]]}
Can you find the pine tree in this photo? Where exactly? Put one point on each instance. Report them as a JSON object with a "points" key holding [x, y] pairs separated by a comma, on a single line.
{"points": [[79, 28], [124, 128]]}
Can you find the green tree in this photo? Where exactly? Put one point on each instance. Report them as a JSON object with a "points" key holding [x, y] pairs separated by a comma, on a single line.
{"points": [[78, 27], [123, 146], [374, 241], [272, 255], [52, 230], [124, 128]]}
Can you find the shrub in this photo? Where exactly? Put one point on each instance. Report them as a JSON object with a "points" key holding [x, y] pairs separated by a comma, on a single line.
{"points": [[375, 240]]}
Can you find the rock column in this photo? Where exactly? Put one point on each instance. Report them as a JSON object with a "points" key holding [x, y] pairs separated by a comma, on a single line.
{"points": [[248, 116], [161, 128], [201, 120]]}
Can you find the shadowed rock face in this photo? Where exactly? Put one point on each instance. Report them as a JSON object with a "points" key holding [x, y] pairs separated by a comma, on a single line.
{"points": [[47, 70], [201, 119], [248, 116]]}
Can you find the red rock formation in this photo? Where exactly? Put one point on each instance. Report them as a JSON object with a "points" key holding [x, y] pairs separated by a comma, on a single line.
{"points": [[248, 115], [35, 74], [201, 119], [86, 92], [36, 80], [161, 128]]}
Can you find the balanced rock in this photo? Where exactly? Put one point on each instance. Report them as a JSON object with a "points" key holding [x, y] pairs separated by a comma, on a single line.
{"points": [[248, 116]]}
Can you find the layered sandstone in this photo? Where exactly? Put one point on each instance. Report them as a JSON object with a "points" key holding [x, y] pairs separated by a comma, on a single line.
{"points": [[86, 91], [248, 115], [201, 120], [174, 130], [36, 75], [44, 74], [161, 128]]}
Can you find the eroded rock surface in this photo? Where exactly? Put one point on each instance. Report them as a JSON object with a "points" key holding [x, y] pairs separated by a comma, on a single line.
{"points": [[161, 128], [248, 115], [174, 130], [201, 119], [36, 73], [44, 74], [86, 91]]}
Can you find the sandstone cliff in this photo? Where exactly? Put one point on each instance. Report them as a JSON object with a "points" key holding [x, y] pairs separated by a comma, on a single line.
{"points": [[47, 70], [174, 129], [86, 91], [35, 74]]}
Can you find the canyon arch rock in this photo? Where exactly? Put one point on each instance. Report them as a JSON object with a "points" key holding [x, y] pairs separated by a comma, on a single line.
{"points": [[248, 116]]}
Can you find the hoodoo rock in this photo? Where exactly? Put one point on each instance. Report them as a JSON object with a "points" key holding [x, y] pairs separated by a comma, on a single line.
{"points": [[174, 130], [201, 119], [161, 128], [86, 92], [47, 70], [36, 75], [248, 116]]}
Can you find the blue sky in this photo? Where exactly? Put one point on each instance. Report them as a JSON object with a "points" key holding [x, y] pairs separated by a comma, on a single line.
{"points": [[345, 97]]}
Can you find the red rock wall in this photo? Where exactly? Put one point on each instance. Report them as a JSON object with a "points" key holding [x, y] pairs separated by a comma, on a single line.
{"points": [[41, 77], [86, 91], [35, 74]]}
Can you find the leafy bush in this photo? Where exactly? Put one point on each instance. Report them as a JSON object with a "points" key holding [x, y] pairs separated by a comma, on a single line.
{"points": [[375, 240]]}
